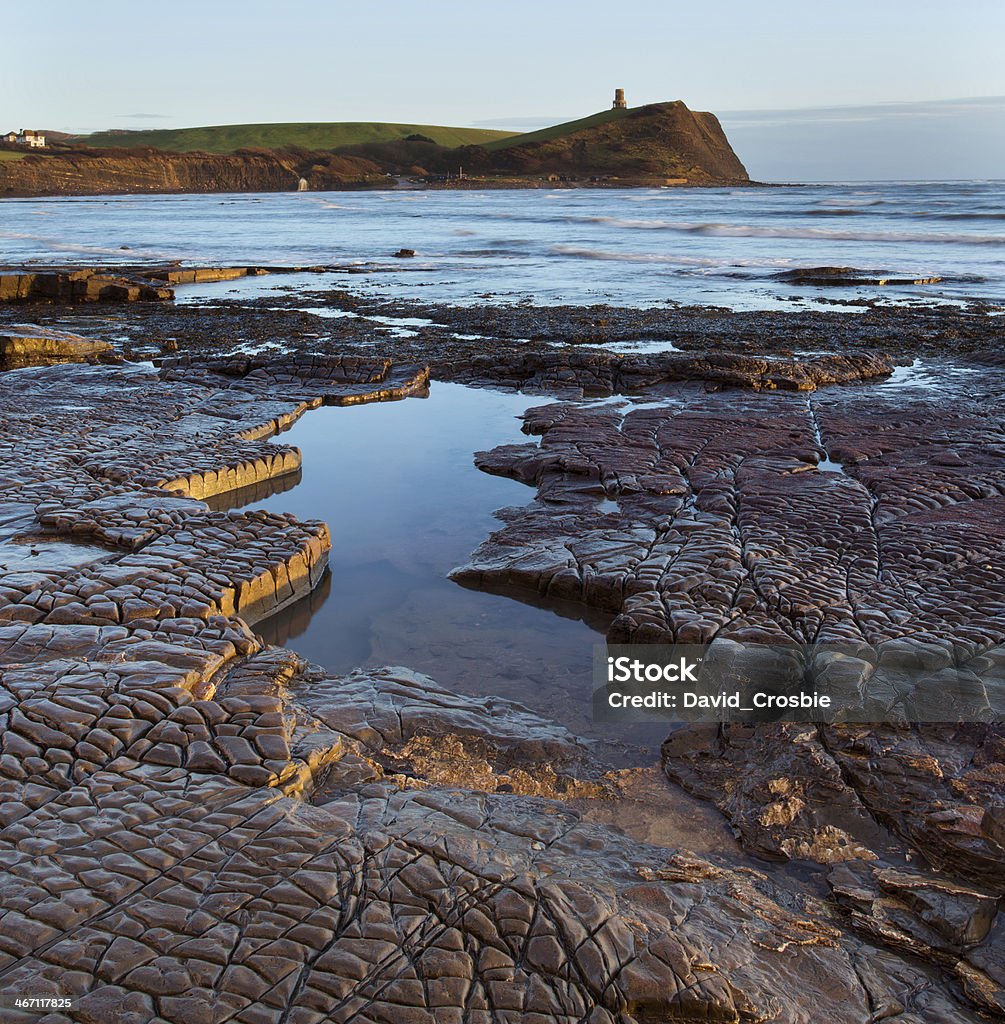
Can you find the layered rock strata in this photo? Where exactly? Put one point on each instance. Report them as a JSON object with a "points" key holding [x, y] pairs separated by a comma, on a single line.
{"points": [[37, 346], [108, 284], [83, 172]]}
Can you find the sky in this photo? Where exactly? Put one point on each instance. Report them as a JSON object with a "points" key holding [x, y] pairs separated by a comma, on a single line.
{"points": [[867, 89]]}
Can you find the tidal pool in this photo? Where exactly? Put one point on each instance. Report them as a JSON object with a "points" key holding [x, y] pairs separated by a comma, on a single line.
{"points": [[397, 485]]}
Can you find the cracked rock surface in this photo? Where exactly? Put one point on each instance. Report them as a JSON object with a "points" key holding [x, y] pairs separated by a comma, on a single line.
{"points": [[274, 870], [196, 827], [864, 518], [719, 520]]}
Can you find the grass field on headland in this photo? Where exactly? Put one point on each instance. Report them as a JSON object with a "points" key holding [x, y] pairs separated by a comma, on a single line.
{"points": [[556, 131], [308, 135]]}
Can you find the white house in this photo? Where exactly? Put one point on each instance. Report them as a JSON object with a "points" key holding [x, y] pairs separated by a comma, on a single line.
{"points": [[26, 137]]}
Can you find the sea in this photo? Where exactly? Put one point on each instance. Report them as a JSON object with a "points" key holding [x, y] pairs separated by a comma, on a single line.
{"points": [[389, 598], [634, 246]]}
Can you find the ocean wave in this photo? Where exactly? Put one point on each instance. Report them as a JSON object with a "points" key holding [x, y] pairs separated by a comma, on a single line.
{"points": [[965, 216], [719, 229], [845, 203], [722, 229], [742, 269], [836, 211], [921, 237], [53, 244], [707, 262], [492, 251]]}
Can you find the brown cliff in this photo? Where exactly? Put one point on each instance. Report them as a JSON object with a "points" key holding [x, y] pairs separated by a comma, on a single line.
{"points": [[660, 140], [110, 171]]}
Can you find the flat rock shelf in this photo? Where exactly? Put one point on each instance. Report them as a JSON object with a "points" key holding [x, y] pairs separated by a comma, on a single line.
{"points": [[200, 825]]}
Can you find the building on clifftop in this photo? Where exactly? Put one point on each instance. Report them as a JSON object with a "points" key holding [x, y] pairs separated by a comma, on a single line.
{"points": [[26, 137], [619, 100]]}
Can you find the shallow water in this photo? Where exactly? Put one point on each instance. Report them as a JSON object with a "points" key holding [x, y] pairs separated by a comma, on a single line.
{"points": [[720, 246], [398, 487], [928, 376]]}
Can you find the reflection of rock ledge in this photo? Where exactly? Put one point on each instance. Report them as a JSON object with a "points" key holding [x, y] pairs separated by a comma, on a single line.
{"points": [[255, 493]]}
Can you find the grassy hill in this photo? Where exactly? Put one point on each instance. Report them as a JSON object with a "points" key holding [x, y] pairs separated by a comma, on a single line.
{"points": [[556, 130], [314, 136]]}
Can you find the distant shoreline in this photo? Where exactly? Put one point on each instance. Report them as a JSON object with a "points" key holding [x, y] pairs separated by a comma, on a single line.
{"points": [[654, 145], [466, 185]]}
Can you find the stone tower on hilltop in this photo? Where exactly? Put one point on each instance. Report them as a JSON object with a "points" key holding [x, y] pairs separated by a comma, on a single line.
{"points": [[619, 99]]}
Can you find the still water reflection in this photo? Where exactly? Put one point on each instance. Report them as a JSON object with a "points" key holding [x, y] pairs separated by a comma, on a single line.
{"points": [[397, 485]]}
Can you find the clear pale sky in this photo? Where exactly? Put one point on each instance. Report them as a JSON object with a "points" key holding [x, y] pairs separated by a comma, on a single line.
{"points": [[856, 81]]}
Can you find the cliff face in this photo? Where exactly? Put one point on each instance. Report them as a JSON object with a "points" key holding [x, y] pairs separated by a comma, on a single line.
{"points": [[116, 171], [659, 140], [662, 142]]}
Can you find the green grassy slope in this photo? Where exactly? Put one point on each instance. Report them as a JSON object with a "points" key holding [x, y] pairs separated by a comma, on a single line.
{"points": [[556, 130], [321, 135]]}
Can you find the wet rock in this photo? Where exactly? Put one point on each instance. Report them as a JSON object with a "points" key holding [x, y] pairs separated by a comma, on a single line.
{"points": [[455, 337], [414, 728], [935, 919], [603, 373], [91, 284], [848, 276], [936, 786], [38, 346], [312, 379], [779, 787], [718, 523], [322, 909]]}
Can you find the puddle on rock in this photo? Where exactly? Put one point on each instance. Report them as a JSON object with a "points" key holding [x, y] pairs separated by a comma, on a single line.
{"points": [[644, 347], [397, 485], [42, 557], [930, 376]]}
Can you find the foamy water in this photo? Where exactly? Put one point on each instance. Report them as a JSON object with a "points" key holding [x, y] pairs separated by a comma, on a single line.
{"points": [[632, 246]]}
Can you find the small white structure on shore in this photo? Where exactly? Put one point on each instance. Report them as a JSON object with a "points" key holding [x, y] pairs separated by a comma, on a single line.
{"points": [[26, 137]]}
